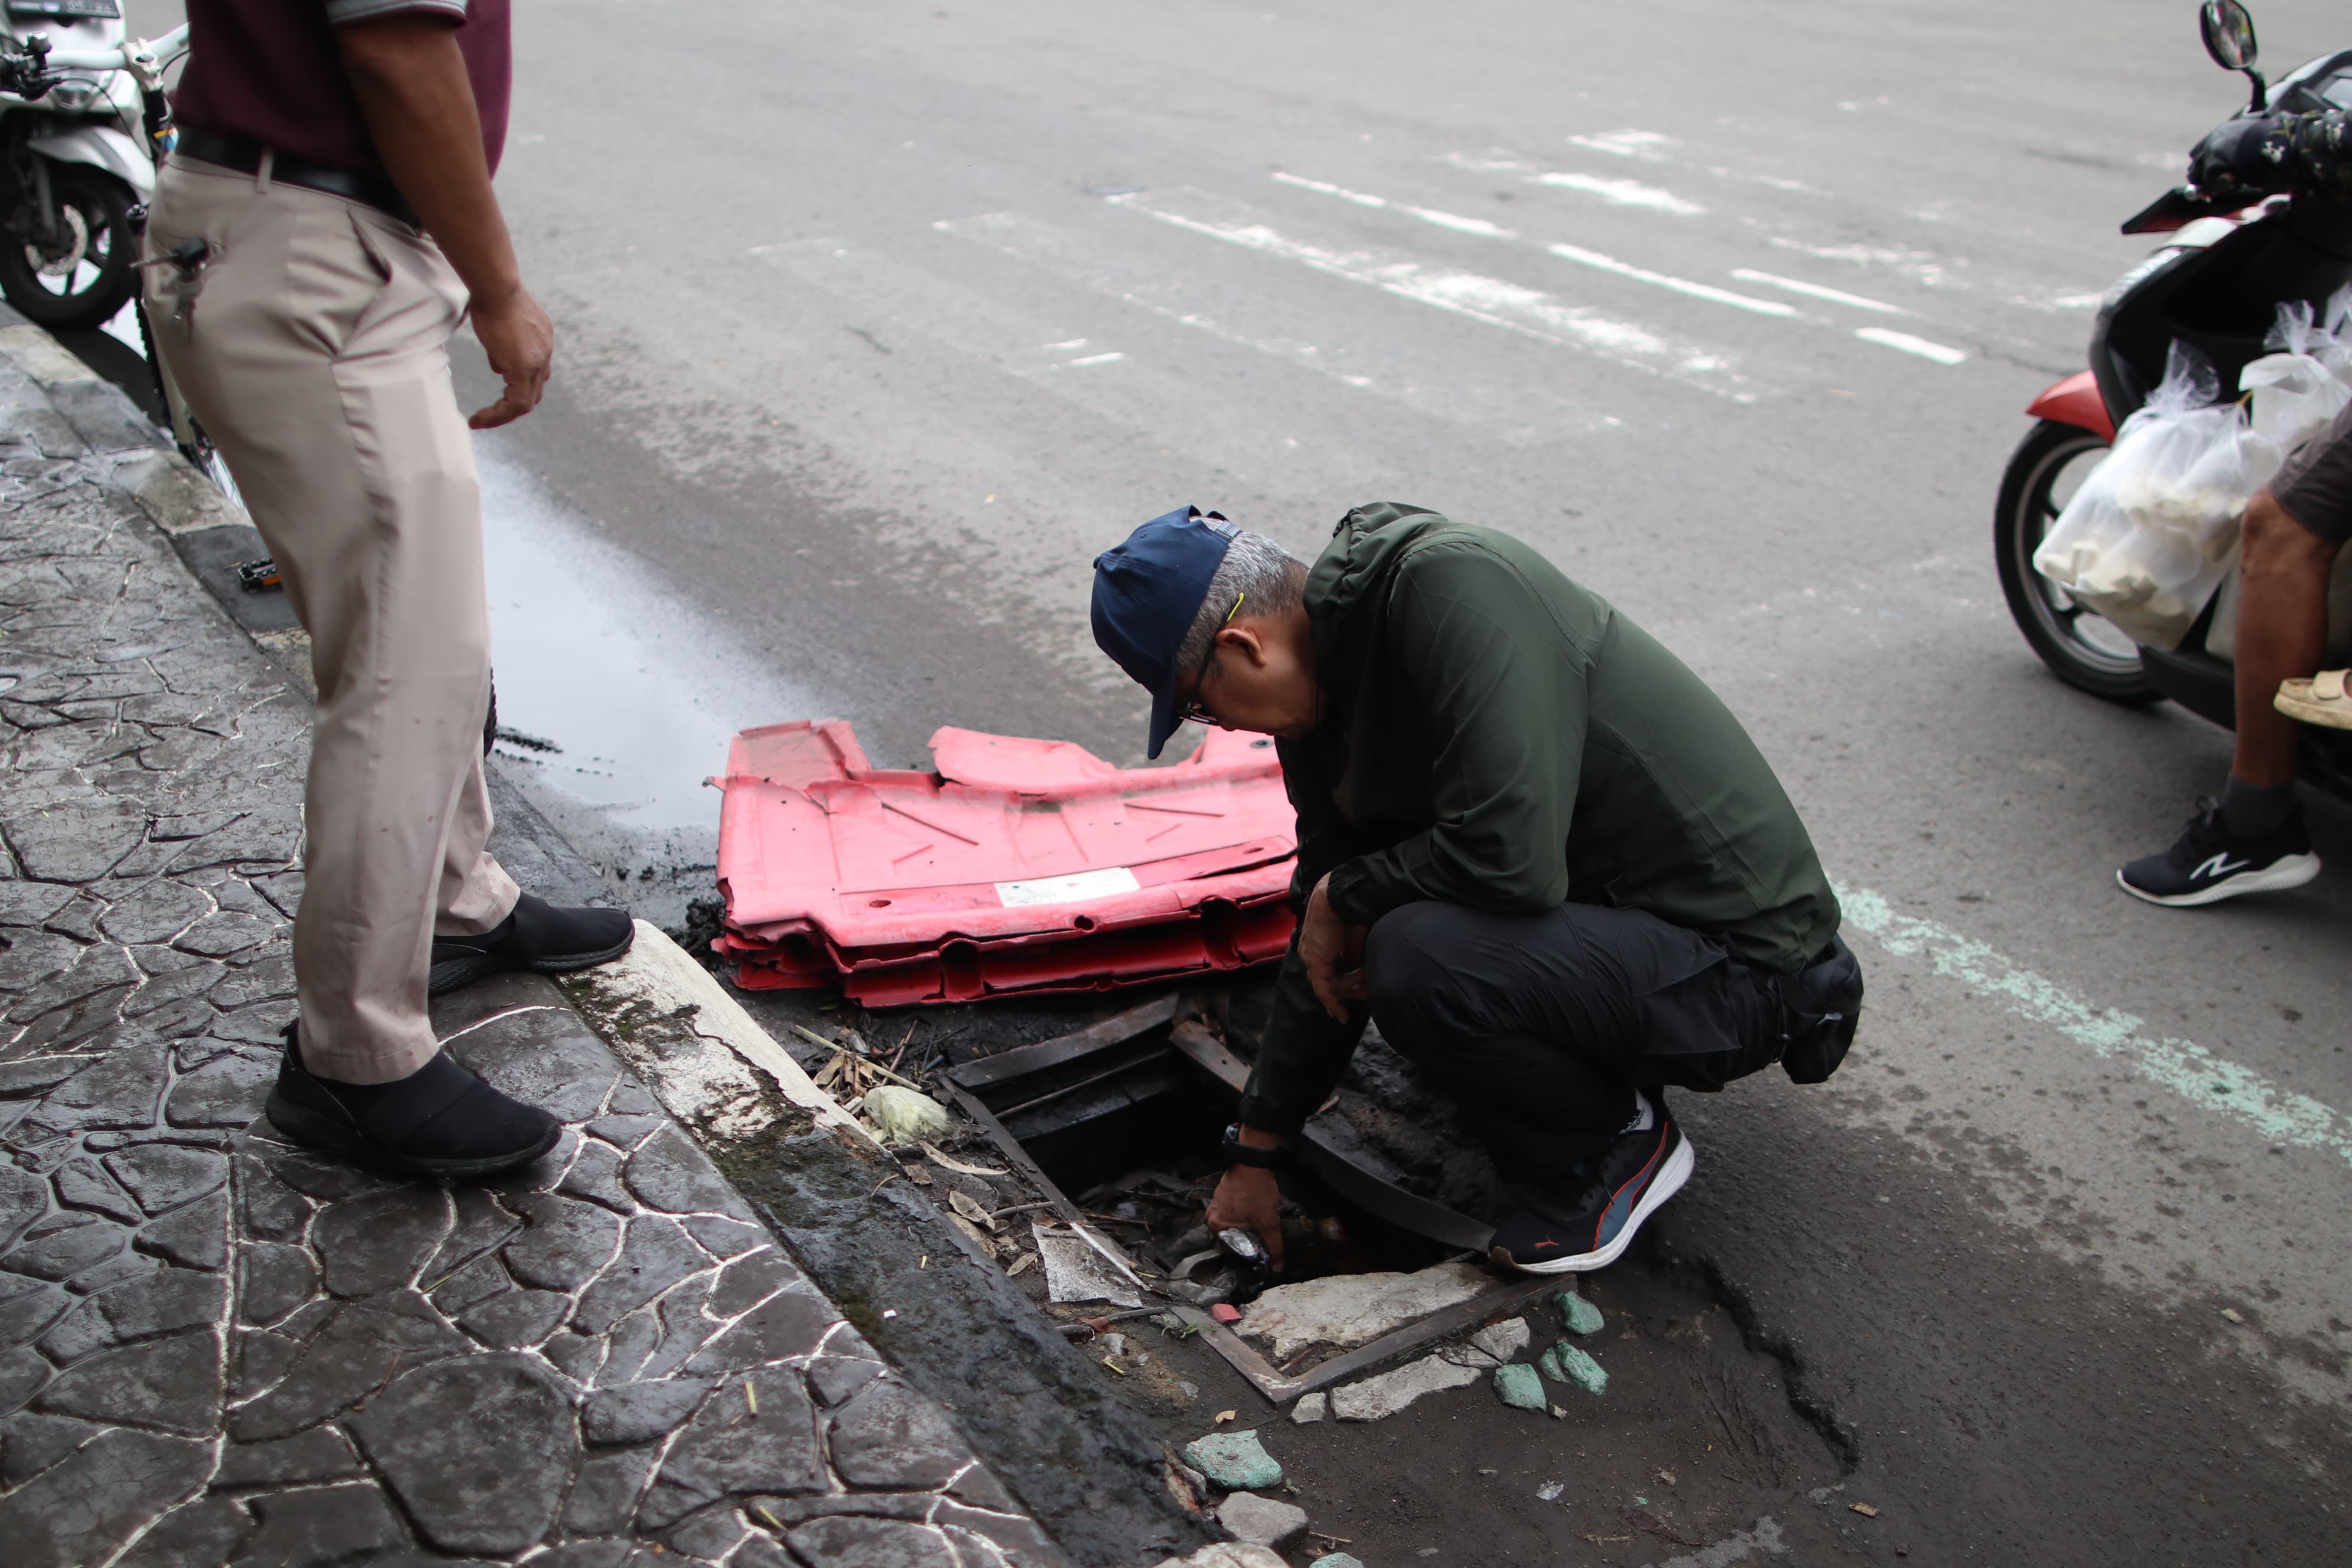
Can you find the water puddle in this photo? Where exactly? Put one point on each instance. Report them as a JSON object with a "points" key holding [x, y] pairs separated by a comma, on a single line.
{"points": [[612, 689]]}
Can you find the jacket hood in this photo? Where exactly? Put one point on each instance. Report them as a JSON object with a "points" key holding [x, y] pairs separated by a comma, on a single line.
{"points": [[1349, 582]]}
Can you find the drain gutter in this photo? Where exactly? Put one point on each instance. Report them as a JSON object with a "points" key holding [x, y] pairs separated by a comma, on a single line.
{"points": [[1190, 1036]]}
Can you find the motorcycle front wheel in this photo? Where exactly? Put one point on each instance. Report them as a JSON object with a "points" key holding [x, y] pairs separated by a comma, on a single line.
{"points": [[2080, 647], [85, 271]]}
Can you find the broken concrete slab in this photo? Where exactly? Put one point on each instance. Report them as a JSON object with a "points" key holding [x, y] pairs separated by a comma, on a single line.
{"points": [[1336, 1560], [1580, 1315], [1503, 1341], [1076, 1270], [1234, 1461], [1228, 1554], [1469, 1356], [1313, 1407], [1344, 1310], [1567, 1363], [1520, 1386], [1263, 1521], [1390, 1392]]}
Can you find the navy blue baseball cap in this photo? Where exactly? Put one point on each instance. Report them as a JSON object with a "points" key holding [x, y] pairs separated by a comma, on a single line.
{"points": [[1147, 593]]}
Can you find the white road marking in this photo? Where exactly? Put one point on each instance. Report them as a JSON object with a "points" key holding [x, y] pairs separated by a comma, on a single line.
{"points": [[1514, 419], [2213, 1083], [1497, 304], [1815, 291], [1091, 359], [1600, 263], [1577, 253], [1427, 215], [1621, 193], [1059, 348], [1651, 144], [1919, 265], [1939, 353]]}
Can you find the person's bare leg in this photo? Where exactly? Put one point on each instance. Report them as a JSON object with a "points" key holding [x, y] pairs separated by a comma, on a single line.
{"points": [[2281, 633]]}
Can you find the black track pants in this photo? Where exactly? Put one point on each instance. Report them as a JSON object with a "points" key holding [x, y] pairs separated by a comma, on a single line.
{"points": [[1543, 1025]]}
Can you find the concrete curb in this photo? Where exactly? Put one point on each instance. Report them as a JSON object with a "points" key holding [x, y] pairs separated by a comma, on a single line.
{"points": [[669, 1018]]}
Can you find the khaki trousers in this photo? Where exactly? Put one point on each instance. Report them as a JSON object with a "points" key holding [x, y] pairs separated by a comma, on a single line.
{"points": [[313, 345]]}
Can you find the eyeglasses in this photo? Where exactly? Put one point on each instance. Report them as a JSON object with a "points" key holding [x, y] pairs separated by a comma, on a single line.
{"points": [[1193, 712]]}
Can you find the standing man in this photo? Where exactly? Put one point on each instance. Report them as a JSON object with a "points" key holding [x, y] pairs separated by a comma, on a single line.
{"points": [[323, 226], [1542, 851]]}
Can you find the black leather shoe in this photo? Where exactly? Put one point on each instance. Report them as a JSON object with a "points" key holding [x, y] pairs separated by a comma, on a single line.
{"points": [[439, 1120], [538, 937]]}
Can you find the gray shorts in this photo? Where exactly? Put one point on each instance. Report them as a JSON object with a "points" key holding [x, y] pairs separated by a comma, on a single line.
{"points": [[2315, 487]]}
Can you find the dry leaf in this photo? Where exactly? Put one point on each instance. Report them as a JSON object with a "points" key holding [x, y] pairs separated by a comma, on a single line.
{"points": [[948, 1161], [974, 1232], [967, 1205], [1224, 1417], [1864, 1508], [1026, 1261]]}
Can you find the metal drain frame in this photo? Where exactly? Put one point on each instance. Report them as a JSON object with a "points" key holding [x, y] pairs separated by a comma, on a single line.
{"points": [[1191, 1035]]}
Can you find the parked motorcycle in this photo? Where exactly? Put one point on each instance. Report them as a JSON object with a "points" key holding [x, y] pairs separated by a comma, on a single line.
{"points": [[2227, 263], [73, 166]]}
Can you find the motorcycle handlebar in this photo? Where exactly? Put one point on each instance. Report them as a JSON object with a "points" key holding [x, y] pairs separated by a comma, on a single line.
{"points": [[119, 57]]}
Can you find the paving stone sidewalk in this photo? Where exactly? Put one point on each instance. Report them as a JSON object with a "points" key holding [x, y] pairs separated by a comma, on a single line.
{"points": [[215, 1349]]}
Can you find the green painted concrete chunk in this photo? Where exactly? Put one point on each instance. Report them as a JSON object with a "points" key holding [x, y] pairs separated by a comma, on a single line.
{"points": [[1580, 1315], [1569, 1365], [1519, 1387], [1234, 1461]]}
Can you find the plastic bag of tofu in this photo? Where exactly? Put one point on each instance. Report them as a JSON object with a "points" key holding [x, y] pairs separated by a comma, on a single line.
{"points": [[2154, 529], [2298, 391]]}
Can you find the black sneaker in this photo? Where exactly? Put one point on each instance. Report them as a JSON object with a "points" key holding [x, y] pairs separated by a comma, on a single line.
{"points": [[538, 937], [2210, 863], [439, 1120], [1589, 1218]]}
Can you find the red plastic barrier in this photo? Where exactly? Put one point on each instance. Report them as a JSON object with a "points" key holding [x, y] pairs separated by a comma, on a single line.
{"points": [[1018, 866]]}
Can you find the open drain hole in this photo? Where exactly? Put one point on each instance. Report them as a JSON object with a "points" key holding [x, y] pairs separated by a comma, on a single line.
{"points": [[1119, 1125]]}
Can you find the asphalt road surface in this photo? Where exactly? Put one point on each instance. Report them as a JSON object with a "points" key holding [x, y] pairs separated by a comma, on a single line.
{"points": [[877, 321]]}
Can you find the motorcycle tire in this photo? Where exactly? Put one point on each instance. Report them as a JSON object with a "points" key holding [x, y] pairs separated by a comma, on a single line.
{"points": [[2080, 648], [94, 278]]}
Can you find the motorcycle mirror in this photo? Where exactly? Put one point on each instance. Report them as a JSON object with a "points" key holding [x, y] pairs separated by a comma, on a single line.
{"points": [[2229, 30]]}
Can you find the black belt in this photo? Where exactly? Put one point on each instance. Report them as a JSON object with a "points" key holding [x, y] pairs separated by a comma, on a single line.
{"points": [[245, 157]]}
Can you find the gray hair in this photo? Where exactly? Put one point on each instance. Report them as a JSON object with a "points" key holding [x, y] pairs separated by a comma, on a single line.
{"points": [[1258, 575]]}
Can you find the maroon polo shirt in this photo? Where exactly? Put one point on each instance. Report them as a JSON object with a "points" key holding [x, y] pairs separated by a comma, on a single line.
{"points": [[267, 71]]}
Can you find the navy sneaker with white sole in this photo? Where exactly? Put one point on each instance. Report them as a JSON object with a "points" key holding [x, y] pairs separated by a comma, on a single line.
{"points": [[1589, 1218], [2210, 863]]}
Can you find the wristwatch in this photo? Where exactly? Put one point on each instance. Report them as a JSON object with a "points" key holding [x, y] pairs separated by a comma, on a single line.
{"points": [[1237, 1152]]}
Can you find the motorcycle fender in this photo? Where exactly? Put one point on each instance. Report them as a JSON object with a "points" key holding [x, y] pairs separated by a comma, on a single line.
{"points": [[2076, 400], [103, 147]]}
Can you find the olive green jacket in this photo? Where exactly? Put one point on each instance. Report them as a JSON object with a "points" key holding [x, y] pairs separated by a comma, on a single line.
{"points": [[1498, 736]]}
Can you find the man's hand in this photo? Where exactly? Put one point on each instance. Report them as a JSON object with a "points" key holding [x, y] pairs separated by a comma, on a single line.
{"points": [[521, 343], [1248, 1199], [1333, 952]]}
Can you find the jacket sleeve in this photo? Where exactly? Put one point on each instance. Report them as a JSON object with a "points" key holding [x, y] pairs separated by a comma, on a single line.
{"points": [[1304, 1049], [1504, 689], [2321, 145]]}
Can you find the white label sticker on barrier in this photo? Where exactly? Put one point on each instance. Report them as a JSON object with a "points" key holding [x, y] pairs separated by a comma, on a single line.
{"points": [[1069, 889]]}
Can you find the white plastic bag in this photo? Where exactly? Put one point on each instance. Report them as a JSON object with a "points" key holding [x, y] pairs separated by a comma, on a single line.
{"points": [[2298, 391], [2154, 529]]}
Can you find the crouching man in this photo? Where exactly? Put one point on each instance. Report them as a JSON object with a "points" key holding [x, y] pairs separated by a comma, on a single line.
{"points": [[1532, 844]]}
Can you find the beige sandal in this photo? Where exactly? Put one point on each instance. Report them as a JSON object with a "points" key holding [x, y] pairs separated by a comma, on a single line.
{"points": [[2321, 699]]}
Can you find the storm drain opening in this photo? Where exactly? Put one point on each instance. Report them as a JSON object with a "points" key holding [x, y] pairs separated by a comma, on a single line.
{"points": [[1118, 1125]]}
